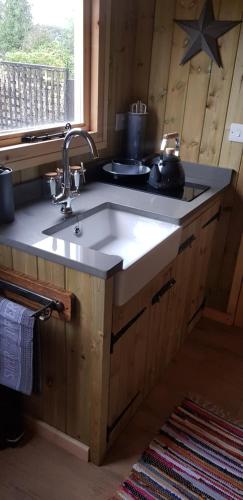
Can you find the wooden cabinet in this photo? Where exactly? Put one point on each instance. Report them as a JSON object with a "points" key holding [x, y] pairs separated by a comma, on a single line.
{"points": [[149, 330], [99, 367], [138, 349], [200, 261], [178, 314], [127, 370], [158, 334]]}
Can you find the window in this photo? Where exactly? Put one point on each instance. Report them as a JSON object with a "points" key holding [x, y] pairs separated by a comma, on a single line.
{"points": [[50, 55], [41, 63]]}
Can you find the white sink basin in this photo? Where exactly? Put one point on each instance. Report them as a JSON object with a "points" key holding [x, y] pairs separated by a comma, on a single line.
{"points": [[145, 245]]}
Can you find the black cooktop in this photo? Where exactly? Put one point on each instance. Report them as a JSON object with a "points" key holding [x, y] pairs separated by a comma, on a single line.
{"points": [[188, 193]]}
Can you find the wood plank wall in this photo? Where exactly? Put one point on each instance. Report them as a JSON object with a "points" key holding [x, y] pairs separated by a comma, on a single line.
{"points": [[201, 100], [198, 99], [131, 38], [71, 377]]}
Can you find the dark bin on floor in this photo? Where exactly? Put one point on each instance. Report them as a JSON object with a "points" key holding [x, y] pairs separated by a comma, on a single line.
{"points": [[11, 427]]}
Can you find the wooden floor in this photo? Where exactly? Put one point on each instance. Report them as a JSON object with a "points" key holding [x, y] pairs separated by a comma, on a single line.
{"points": [[210, 365]]}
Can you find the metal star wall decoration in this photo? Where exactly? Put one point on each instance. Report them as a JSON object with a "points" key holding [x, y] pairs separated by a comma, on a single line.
{"points": [[204, 33]]}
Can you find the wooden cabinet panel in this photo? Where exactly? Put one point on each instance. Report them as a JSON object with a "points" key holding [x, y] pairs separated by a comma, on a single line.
{"points": [[6, 259], [122, 314], [89, 392], [53, 350], [127, 369], [157, 335], [176, 319], [200, 259]]}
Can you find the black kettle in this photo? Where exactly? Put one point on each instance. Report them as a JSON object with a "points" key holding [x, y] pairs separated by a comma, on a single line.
{"points": [[168, 174]]}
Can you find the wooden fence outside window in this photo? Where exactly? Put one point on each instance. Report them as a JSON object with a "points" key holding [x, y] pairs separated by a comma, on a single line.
{"points": [[32, 95]]}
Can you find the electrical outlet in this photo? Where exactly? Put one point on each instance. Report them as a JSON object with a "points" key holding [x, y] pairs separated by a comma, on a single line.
{"points": [[236, 132], [120, 121]]}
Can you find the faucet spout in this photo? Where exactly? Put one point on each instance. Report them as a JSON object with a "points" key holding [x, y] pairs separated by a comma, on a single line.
{"points": [[66, 195]]}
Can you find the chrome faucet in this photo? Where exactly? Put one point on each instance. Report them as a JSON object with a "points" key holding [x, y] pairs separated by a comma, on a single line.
{"points": [[66, 196]]}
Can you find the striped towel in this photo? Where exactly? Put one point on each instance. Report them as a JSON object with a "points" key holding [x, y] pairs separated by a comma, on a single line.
{"points": [[16, 346]]}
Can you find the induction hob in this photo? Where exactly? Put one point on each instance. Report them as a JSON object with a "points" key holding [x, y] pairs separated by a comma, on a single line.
{"points": [[188, 193]]}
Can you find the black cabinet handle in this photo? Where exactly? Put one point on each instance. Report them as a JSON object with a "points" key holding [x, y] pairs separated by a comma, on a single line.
{"points": [[111, 427], [214, 217], [116, 336], [157, 296], [187, 243]]}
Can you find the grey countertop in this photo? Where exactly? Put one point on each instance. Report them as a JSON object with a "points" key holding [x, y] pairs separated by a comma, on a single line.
{"points": [[33, 218]]}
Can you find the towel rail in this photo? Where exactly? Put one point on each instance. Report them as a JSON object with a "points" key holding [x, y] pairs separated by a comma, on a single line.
{"points": [[48, 305]]}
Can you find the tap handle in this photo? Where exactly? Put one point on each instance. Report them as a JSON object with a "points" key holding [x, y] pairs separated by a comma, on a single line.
{"points": [[76, 176], [53, 186], [82, 172], [51, 179]]}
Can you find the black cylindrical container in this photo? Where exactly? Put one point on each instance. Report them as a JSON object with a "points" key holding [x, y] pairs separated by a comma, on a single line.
{"points": [[6, 195], [136, 127]]}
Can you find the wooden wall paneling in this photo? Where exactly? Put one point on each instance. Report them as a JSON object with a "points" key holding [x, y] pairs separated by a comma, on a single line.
{"points": [[143, 49], [178, 79], [88, 343], [25, 263], [220, 87], [231, 152], [196, 98], [6, 258], [16, 177], [29, 174], [159, 70], [101, 319], [123, 36], [233, 237], [53, 351], [78, 356]]}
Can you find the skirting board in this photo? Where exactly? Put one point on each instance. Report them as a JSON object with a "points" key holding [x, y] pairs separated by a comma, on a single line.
{"points": [[219, 316], [67, 443]]}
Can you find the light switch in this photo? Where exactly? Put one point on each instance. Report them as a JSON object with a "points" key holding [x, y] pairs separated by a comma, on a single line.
{"points": [[236, 132]]}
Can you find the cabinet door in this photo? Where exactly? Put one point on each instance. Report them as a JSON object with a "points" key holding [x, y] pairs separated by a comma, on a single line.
{"points": [[158, 334], [127, 370], [176, 318], [201, 258]]}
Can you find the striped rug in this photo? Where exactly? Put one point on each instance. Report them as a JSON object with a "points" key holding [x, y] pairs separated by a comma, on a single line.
{"points": [[196, 455]]}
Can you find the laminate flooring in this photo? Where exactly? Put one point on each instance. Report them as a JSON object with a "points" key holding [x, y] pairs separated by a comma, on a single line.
{"points": [[210, 364]]}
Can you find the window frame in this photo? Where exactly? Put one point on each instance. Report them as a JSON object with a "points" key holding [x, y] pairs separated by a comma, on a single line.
{"points": [[20, 156]]}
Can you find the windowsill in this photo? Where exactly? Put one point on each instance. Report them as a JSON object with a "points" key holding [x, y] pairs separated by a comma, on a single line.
{"points": [[22, 156]]}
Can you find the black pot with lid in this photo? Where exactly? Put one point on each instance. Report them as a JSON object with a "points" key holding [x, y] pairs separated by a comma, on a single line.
{"points": [[6, 195], [168, 174]]}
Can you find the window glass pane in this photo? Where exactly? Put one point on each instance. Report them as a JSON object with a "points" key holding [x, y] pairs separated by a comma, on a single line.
{"points": [[41, 63]]}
